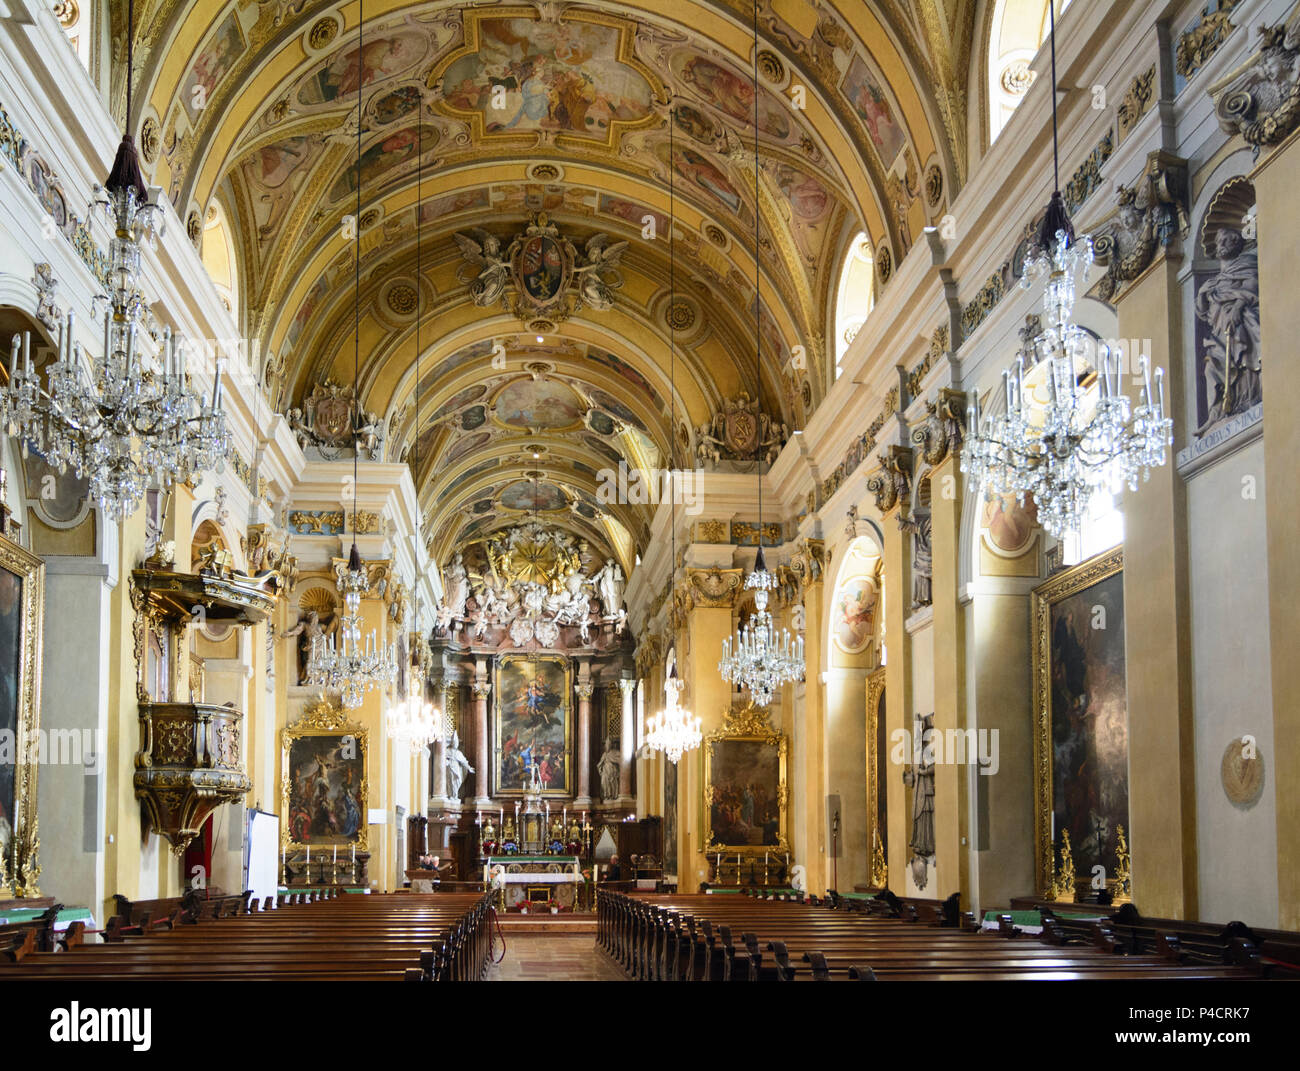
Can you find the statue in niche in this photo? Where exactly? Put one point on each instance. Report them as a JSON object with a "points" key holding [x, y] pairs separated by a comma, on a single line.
{"points": [[922, 557], [1228, 303], [457, 766], [609, 586], [608, 768], [919, 777], [309, 629]]}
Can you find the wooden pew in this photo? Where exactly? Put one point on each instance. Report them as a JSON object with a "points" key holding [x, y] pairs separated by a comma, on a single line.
{"points": [[695, 938], [405, 937]]}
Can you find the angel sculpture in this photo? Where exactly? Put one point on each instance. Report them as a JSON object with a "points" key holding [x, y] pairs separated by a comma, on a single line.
{"points": [[489, 284], [708, 449], [596, 290]]}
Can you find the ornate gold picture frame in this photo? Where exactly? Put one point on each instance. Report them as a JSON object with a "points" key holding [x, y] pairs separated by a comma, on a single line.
{"points": [[22, 602], [532, 722], [323, 787], [875, 759], [746, 799], [1080, 729]]}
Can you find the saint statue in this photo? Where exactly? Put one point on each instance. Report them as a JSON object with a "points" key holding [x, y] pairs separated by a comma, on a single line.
{"points": [[608, 767], [609, 586], [308, 630], [922, 557], [1228, 303], [457, 766], [919, 777]]}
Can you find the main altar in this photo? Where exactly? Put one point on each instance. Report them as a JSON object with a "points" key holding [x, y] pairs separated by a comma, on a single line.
{"points": [[534, 668]]}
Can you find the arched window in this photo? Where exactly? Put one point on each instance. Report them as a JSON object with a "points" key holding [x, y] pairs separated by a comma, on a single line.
{"points": [[1019, 27], [218, 255], [855, 296], [1102, 528]]}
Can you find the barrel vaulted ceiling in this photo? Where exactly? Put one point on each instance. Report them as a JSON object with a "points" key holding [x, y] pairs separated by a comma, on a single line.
{"points": [[251, 111]]}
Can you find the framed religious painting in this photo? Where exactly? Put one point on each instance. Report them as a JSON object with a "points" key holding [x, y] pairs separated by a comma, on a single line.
{"points": [[745, 793], [1081, 787], [532, 725], [670, 819], [323, 780], [22, 598]]}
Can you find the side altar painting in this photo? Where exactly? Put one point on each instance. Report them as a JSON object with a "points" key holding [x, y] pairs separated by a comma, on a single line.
{"points": [[533, 724], [22, 582], [745, 785], [1081, 729], [323, 780]]}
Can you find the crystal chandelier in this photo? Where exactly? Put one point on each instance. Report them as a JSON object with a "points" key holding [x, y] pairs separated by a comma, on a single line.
{"points": [[352, 667], [756, 658], [1072, 447], [674, 730], [415, 722], [120, 418]]}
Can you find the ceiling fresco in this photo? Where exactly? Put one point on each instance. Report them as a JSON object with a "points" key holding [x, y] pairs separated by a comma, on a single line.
{"points": [[483, 117]]}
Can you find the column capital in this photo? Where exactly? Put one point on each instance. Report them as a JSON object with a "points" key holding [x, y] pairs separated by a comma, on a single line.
{"points": [[627, 685], [585, 690], [481, 689], [892, 485]]}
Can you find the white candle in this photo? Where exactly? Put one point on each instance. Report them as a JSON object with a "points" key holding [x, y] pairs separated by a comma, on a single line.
{"points": [[308, 853], [336, 854]]}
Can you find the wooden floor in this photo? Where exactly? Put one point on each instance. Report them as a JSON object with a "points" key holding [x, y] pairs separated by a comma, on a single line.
{"points": [[548, 957]]}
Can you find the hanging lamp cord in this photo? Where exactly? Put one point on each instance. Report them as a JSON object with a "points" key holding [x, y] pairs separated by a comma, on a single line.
{"points": [[356, 304], [1057, 217], [672, 342], [759, 563], [130, 58], [419, 313]]}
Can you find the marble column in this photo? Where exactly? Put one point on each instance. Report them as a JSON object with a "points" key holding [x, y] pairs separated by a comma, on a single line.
{"points": [[482, 758], [584, 689], [438, 788], [627, 742]]}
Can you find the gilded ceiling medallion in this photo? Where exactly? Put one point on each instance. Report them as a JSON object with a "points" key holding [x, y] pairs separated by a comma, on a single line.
{"points": [[680, 316], [1017, 78], [322, 32], [771, 67], [884, 264], [716, 235], [149, 140], [933, 185], [401, 299]]}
